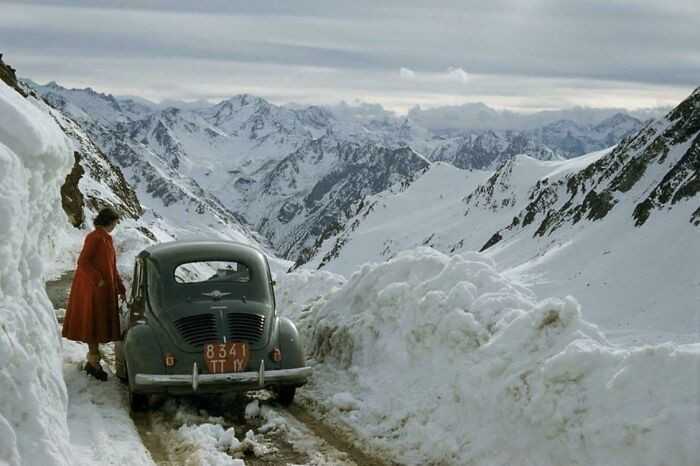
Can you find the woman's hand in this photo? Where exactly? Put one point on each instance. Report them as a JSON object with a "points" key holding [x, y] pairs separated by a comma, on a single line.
{"points": [[101, 283]]}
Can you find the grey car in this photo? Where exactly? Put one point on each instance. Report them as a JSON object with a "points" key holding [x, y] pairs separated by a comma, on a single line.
{"points": [[201, 318]]}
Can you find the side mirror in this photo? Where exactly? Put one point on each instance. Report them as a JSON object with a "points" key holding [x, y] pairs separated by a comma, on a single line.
{"points": [[273, 282]]}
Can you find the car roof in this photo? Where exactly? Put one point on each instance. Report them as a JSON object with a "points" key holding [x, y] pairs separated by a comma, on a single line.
{"points": [[184, 251]]}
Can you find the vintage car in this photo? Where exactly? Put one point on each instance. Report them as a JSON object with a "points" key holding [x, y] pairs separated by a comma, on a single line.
{"points": [[201, 318]]}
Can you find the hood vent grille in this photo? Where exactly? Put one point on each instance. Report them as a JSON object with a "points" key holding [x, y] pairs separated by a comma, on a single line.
{"points": [[245, 327], [198, 329]]}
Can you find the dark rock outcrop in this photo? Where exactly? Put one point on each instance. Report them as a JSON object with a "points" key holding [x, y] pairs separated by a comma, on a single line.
{"points": [[658, 167], [71, 197], [9, 76]]}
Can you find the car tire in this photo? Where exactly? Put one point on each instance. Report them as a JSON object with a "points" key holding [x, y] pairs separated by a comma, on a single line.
{"points": [[285, 395], [119, 363], [138, 402]]}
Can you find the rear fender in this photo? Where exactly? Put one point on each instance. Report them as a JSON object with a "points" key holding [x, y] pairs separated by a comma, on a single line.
{"points": [[290, 344], [142, 352]]}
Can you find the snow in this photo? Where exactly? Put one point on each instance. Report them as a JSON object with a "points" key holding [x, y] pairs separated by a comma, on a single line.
{"points": [[451, 362], [34, 159], [101, 430], [295, 292], [649, 297], [216, 170], [344, 401], [598, 262], [210, 442], [302, 439], [392, 222], [50, 412], [429, 357], [252, 409]]}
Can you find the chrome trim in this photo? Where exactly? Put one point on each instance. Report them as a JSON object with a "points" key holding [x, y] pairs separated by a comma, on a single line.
{"points": [[216, 294], [269, 377], [195, 377], [261, 373]]}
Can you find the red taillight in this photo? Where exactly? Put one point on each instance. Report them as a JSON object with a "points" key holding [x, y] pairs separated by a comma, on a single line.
{"points": [[276, 355], [169, 359]]}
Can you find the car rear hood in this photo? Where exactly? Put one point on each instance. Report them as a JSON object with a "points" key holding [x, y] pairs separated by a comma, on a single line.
{"points": [[192, 324]]}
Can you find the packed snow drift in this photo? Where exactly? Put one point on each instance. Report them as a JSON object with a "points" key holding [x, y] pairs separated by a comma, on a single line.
{"points": [[34, 160], [438, 359]]}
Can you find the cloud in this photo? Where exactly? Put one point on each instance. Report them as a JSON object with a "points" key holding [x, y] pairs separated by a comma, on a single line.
{"points": [[406, 73], [457, 74], [604, 53]]}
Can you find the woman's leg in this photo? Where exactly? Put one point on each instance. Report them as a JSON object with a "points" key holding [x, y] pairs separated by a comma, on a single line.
{"points": [[93, 362], [93, 356]]}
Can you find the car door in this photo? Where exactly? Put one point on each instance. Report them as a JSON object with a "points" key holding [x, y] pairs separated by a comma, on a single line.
{"points": [[136, 299]]}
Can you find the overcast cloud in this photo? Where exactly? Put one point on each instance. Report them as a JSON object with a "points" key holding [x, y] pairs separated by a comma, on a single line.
{"points": [[520, 55]]}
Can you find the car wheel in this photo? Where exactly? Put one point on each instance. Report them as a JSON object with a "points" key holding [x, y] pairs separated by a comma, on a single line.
{"points": [[137, 401], [119, 363], [285, 395]]}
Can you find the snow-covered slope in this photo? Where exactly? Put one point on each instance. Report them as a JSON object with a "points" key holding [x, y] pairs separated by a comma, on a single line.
{"points": [[35, 157], [429, 212], [315, 189], [439, 359], [616, 228], [123, 131], [235, 165], [622, 233], [434, 211]]}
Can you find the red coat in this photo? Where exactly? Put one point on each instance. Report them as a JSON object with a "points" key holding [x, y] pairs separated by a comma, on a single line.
{"points": [[93, 315]]}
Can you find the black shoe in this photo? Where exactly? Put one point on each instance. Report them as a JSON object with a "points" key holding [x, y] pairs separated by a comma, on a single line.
{"points": [[96, 371]]}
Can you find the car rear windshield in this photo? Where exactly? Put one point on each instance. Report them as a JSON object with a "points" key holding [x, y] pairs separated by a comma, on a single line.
{"points": [[203, 280], [212, 272]]}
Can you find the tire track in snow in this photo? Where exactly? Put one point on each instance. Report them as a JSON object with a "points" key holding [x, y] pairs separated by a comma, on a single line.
{"points": [[280, 437]]}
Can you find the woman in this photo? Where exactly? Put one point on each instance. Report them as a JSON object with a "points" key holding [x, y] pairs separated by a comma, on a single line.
{"points": [[93, 315]]}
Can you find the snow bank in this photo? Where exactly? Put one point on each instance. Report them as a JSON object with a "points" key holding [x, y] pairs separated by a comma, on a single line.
{"points": [[451, 363], [34, 160], [298, 292], [101, 430], [210, 443]]}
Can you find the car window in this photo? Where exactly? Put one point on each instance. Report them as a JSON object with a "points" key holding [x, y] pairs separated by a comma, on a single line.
{"points": [[212, 272], [135, 292]]}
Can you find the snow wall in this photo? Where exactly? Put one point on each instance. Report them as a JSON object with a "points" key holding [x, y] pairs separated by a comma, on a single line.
{"points": [[34, 160], [451, 363]]}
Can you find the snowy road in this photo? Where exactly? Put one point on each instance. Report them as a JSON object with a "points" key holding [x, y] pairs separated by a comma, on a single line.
{"points": [[247, 429], [192, 431]]}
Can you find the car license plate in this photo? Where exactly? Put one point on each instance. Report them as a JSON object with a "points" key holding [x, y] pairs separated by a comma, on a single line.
{"points": [[231, 356]]}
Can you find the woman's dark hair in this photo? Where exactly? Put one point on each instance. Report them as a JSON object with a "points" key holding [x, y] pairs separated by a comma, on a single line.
{"points": [[105, 217]]}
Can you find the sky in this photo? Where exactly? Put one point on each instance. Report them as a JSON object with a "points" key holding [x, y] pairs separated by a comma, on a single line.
{"points": [[524, 55]]}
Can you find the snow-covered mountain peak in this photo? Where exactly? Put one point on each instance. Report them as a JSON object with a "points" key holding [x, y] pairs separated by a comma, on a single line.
{"points": [[88, 104], [616, 120], [244, 100], [291, 171], [688, 110]]}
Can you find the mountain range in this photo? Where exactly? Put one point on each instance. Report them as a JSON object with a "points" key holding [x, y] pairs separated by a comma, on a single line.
{"points": [[328, 188], [602, 226], [291, 176]]}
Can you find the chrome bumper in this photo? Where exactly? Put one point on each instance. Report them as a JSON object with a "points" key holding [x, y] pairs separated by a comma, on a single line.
{"points": [[260, 378]]}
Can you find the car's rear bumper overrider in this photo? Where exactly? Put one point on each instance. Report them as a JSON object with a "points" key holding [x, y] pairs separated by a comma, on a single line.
{"points": [[260, 378]]}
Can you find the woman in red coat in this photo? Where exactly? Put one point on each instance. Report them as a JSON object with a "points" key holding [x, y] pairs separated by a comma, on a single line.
{"points": [[92, 315]]}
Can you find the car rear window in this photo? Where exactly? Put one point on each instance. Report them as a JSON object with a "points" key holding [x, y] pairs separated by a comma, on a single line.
{"points": [[212, 272]]}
